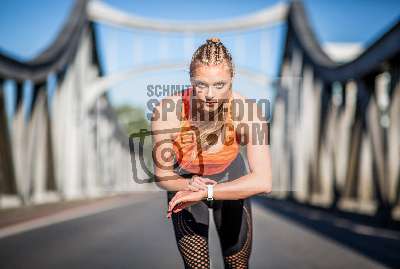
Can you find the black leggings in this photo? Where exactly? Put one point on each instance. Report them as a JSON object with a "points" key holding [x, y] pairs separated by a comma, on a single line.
{"points": [[233, 219]]}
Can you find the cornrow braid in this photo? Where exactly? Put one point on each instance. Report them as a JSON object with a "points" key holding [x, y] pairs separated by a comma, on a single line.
{"points": [[211, 52]]}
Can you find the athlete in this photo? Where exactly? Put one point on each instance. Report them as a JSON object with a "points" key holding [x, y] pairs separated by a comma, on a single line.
{"points": [[209, 170]]}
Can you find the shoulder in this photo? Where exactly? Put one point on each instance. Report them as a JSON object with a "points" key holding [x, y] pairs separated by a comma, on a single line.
{"points": [[251, 116], [165, 112], [246, 109], [170, 100], [237, 96]]}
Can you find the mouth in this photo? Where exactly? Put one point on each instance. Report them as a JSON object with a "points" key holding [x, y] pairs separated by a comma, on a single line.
{"points": [[210, 104]]}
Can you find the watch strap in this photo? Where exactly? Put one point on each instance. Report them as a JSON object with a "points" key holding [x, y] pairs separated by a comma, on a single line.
{"points": [[210, 192]]}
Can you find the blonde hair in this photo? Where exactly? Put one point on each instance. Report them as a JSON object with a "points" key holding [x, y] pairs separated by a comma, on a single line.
{"points": [[213, 52]]}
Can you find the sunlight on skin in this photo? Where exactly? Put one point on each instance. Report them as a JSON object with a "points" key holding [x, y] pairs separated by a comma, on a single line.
{"points": [[212, 82]]}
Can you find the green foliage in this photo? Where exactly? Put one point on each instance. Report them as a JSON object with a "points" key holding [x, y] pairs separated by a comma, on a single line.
{"points": [[133, 119]]}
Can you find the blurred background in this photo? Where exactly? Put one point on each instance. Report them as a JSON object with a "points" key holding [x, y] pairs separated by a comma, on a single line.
{"points": [[74, 84]]}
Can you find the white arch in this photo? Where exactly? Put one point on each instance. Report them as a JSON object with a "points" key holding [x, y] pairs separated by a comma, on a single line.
{"points": [[101, 12], [103, 84]]}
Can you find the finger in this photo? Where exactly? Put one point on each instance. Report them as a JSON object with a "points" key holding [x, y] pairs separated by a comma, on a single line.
{"points": [[178, 202], [178, 208], [193, 187], [199, 185], [198, 181], [176, 196], [182, 206], [170, 203], [173, 204], [189, 185], [202, 182], [207, 180], [197, 178]]}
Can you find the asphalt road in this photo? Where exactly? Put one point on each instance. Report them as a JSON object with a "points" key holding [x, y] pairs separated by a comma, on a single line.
{"points": [[137, 235]]}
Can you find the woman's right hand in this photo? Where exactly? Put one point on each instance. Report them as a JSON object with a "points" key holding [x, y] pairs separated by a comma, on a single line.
{"points": [[197, 183]]}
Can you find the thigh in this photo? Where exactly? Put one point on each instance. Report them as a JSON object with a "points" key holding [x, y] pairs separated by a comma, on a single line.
{"points": [[191, 233], [233, 219]]}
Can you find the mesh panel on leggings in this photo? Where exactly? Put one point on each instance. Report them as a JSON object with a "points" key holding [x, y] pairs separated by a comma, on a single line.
{"points": [[194, 250], [192, 241], [241, 258]]}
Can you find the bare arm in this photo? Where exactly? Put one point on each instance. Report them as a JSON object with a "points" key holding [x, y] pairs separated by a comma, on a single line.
{"points": [[259, 180], [166, 178]]}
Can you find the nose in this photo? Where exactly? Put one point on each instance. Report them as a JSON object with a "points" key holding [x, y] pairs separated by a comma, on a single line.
{"points": [[210, 93]]}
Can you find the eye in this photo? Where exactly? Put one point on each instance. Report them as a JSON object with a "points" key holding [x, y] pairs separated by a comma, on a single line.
{"points": [[220, 85], [201, 85]]}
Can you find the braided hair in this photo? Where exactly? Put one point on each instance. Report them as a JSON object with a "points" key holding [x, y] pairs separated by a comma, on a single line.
{"points": [[212, 52]]}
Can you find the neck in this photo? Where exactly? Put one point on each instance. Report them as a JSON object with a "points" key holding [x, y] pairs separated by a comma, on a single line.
{"points": [[205, 116], [197, 113]]}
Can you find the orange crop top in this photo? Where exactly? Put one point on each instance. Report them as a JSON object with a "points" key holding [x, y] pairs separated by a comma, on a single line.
{"points": [[186, 150]]}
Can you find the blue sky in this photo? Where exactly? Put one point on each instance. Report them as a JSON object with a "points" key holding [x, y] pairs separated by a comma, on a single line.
{"points": [[27, 27]]}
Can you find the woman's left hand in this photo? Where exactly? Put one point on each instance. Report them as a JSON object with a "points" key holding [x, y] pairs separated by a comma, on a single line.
{"points": [[183, 199]]}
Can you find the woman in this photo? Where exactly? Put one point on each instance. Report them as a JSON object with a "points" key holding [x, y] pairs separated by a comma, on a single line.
{"points": [[209, 171]]}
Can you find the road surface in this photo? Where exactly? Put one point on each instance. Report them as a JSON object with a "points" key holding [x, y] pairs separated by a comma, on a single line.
{"points": [[137, 235]]}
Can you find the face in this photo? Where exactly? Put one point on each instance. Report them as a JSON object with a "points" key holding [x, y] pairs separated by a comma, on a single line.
{"points": [[211, 84]]}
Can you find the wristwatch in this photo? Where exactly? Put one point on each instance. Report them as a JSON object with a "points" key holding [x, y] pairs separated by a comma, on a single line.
{"points": [[210, 192]]}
